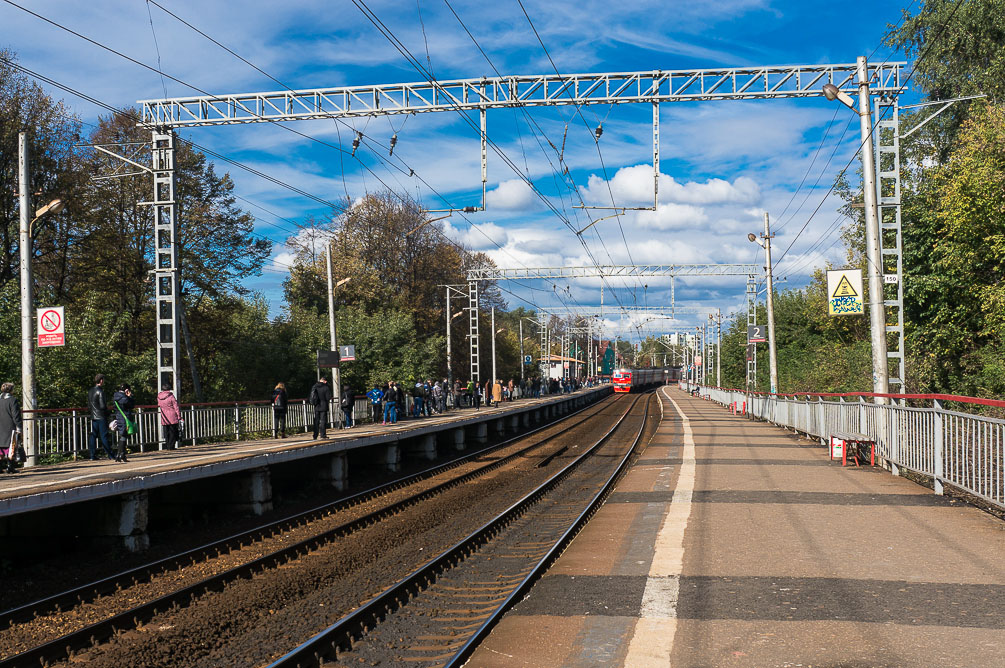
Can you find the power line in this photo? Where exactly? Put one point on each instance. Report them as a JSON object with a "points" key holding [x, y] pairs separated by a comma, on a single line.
{"points": [[903, 86]]}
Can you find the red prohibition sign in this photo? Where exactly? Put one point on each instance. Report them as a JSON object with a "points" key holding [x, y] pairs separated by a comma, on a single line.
{"points": [[50, 321]]}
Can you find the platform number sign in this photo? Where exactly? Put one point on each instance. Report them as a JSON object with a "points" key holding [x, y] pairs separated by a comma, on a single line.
{"points": [[347, 353], [756, 334], [844, 292]]}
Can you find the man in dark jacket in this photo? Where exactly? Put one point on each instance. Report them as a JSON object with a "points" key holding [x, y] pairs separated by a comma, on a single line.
{"points": [[320, 398], [348, 404], [10, 425], [99, 418]]}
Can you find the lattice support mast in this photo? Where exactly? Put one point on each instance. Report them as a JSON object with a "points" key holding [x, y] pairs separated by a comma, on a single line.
{"points": [[890, 232], [166, 269], [473, 329]]}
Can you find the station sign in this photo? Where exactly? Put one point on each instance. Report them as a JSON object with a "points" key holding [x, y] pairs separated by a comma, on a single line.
{"points": [[844, 292], [756, 334], [51, 327], [328, 359]]}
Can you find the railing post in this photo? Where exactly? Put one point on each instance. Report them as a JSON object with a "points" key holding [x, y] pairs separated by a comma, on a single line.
{"points": [[821, 420], [73, 433], [938, 447], [192, 425], [139, 425], [237, 422]]}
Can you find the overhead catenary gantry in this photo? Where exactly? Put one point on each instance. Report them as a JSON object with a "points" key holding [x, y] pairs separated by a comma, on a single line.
{"points": [[163, 116]]}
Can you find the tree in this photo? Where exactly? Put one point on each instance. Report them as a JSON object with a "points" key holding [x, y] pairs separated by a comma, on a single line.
{"points": [[959, 47], [53, 131]]}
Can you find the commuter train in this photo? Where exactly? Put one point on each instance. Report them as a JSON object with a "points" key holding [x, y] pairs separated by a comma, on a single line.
{"points": [[630, 380]]}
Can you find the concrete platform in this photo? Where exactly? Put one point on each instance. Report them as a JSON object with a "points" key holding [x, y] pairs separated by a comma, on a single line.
{"points": [[240, 474], [732, 543]]}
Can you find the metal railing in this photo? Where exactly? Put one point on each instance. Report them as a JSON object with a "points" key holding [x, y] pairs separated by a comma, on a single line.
{"points": [[65, 431], [964, 450]]}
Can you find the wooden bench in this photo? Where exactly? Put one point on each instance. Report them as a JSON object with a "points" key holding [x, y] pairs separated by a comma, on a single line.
{"points": [[852, 443]]}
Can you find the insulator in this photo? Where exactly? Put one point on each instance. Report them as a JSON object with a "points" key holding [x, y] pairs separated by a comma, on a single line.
{"points": [[394, 140], [599, 131]]}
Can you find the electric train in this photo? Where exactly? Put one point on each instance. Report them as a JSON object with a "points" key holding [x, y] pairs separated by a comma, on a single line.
{"points": [[631, 380]]}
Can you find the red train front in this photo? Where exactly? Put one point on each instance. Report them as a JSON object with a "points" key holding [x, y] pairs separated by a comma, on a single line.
{"points": [[622, 380]]}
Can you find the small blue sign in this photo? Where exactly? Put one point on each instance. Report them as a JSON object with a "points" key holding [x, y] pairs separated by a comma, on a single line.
{"points": [[527, 359]]}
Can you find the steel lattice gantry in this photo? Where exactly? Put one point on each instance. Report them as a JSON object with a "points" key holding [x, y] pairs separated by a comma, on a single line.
{"points": [[741, 83]]}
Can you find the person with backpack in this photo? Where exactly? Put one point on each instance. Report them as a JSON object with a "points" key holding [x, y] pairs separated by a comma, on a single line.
{"points": [[170, 416], [280, 404], [418, 394], [375, 396], [320, 398], [123, 424], [348, 404]]}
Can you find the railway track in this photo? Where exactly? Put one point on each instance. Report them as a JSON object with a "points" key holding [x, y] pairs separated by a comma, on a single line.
{"points": [[439, 613], [243, 555]]}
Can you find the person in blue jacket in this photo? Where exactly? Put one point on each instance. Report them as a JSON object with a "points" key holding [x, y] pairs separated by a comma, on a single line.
{"points": [[375, 396]]}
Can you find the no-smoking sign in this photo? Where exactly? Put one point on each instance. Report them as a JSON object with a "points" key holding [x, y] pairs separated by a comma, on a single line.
{"points": [[50, 327]]}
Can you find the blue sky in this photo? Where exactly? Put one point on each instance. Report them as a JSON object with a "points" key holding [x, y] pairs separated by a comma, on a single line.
{"points": [[722, 163]]}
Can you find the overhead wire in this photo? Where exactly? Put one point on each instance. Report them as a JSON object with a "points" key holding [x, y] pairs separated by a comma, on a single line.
{"points": [[361, 134]]}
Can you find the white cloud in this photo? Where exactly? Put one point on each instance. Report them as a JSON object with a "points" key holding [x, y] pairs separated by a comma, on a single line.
{"points": [[511, 195], [476, 236], [633, 186]]}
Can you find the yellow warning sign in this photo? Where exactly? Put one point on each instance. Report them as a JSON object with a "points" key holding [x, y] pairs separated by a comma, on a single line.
{"points": [[844, 292], [844, 289]]}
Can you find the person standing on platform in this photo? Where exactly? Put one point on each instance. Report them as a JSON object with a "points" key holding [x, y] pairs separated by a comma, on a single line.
{"points": [[320, 398], [375, 396], [440, 396], [123, 402], [10, 427], [280, 404], [98, 407], [170, 416], [400, 402], [388, 396], [417, 399], [497, 392], [348, 404]]}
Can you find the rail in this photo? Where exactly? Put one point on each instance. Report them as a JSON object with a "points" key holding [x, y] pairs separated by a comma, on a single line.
{"points": [[963, 450]]}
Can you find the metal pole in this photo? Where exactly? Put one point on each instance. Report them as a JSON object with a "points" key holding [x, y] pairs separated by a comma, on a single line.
{"points": [[877, 309], [494, 377], [718, 348], [522, 363], [772, 349], [29, 401], [336, 377], [450, 372]]}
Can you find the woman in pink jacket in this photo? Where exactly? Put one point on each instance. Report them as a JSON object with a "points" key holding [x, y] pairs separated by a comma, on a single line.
{"points": [[170, 416]]}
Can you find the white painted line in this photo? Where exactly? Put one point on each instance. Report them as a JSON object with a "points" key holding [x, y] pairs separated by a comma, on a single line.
{"points": [[652, 641]]}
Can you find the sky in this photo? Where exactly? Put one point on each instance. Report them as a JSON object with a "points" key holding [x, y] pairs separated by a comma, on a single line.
{"points": [[723, 164]]}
